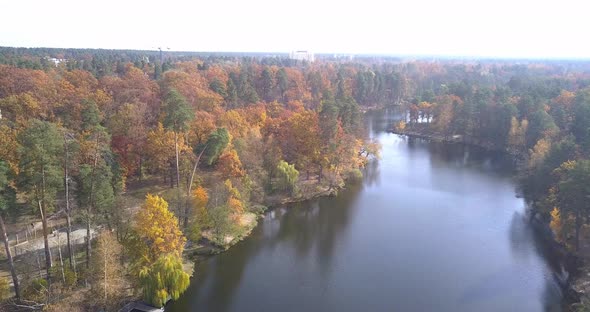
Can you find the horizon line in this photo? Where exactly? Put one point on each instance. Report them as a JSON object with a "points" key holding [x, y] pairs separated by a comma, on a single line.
{"points": [[361, 54]]}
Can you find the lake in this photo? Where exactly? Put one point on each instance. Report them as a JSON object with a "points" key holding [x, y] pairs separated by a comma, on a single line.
{"points": [[432, 227]]}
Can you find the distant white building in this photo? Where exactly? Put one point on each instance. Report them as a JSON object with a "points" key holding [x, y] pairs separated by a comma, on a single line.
{"points": [[347, 57], [302, 56], [55, 61]]}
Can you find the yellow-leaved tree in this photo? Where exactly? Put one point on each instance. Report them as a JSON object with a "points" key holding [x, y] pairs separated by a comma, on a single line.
{"points": [[556, 224], [234, 200], [158, 228], [164, 280], [539, 151], [157, 251], [400, 126]]}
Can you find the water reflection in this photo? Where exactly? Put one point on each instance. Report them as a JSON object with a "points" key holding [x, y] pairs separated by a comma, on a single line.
{"points": [[316, 227], [551, 297], [225, 279], [432, 227], [310, 229], [371, 173], [215, 281]]}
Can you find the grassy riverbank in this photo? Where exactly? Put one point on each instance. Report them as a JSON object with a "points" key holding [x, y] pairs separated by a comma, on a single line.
{"points": [[210, 245]]}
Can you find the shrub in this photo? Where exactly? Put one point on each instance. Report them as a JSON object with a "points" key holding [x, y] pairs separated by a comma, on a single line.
{"points": [[36, 290], [354, 175], [4, 288]]}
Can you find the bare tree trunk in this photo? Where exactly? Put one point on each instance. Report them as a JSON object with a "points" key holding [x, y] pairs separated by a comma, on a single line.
{"points": [[39, 265], [190, 185], [105, 274], [10, 262], [61, 261], [71, 254], [578, 226], [68, 208], [177, 162], [88, 238], [271, 174], [48, 262], [91, 204], [139, 169], [178, 207]]}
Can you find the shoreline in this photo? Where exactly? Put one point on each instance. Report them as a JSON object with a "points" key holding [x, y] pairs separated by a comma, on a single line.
{"points": [[458, 139], [207, 247], [577, 283], [572, 266], [573, 287]]}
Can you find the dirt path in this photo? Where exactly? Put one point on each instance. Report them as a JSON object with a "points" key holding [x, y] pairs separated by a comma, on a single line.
{"points": [[56, 239]]}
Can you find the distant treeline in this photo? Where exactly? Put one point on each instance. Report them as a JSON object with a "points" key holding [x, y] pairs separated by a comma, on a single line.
{"points": [[228, 132]]}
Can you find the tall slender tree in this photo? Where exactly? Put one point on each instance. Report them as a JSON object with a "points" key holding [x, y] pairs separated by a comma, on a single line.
{"points": [[67, 150], [7, 200], [95, 190], [40, 171], [177, 118], [107, 270]]}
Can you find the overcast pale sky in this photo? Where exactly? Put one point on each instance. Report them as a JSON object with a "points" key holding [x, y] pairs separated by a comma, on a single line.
{"points": [[502, 28]]}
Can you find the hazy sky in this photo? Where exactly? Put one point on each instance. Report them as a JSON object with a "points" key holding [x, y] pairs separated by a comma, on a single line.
{"points": [[503, 28]]}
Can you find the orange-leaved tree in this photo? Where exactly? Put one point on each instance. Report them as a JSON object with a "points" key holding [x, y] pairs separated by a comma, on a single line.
{"points": [[199, 217], [229, 165], [234, 199]]}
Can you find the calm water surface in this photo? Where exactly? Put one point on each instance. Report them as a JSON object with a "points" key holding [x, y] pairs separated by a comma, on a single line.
{"points": [[433, 227]]}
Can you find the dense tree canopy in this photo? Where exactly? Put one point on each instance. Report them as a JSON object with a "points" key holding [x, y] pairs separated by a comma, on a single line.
{"points": [[248, 129]]}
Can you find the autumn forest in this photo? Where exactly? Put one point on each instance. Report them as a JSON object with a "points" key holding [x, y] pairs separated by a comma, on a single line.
{"points": [[144, 159]]}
